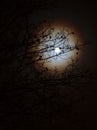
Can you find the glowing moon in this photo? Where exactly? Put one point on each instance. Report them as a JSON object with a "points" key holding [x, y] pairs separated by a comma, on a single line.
{"points": [[55, 47], [57, 50]]}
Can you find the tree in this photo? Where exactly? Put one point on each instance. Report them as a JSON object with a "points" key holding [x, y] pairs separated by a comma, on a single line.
{"points": [[45, 45]]}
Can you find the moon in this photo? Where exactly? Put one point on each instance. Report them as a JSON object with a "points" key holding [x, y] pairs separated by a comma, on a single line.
{"points": [[57, 50]]}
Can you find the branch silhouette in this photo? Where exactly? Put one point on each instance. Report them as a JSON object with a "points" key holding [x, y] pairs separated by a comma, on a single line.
{"points": [[43, 45]]}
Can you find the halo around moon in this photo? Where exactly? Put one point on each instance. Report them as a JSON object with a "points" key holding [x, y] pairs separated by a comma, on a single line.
{"points": [[55, 47]]}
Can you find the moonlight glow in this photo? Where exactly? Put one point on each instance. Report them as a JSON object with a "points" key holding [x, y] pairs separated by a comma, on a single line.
{"points": [[57, 50], [55, 47]]}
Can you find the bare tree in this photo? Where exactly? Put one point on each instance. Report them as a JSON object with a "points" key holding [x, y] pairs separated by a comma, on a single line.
{"points": [[45, 44], [49, 44]]}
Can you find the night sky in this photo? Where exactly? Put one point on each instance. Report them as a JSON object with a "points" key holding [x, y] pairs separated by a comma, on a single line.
{"points": [[30, 100]]}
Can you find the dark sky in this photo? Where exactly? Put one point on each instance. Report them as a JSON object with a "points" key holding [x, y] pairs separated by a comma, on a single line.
{"points": [[46, 104], [82, 14]]}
